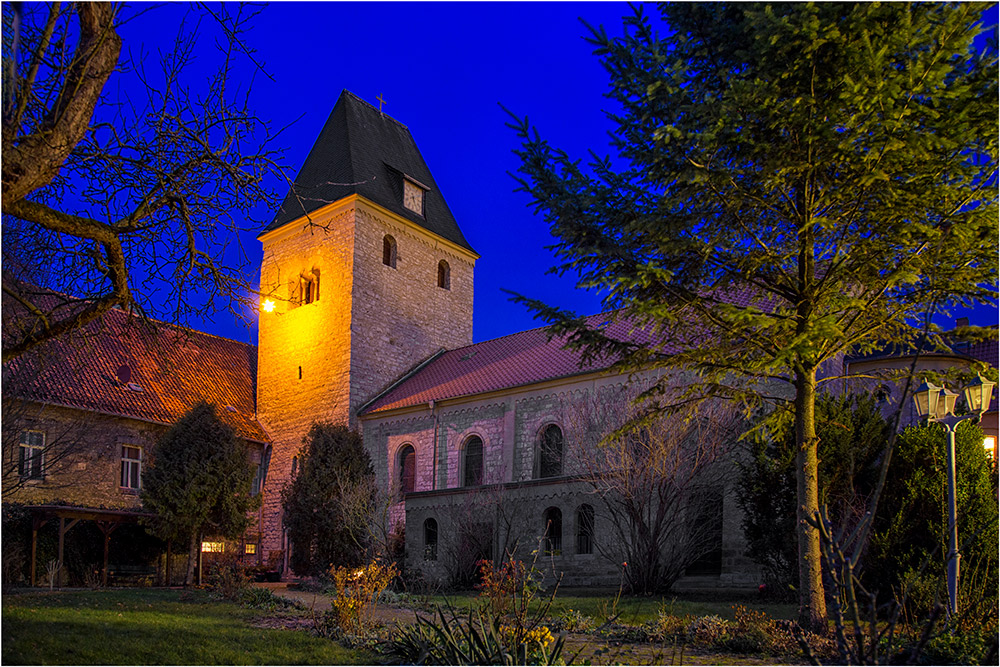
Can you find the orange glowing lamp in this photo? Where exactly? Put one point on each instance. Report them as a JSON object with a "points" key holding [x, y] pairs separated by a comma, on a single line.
{"points": [[267, 306]]}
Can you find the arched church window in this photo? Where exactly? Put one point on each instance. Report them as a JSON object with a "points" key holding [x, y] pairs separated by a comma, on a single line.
{"points": [[585, 529], [553, 530], [430, 539], [550, 452], [473, 462], [444, 275], [389, 251], [407, 470]]}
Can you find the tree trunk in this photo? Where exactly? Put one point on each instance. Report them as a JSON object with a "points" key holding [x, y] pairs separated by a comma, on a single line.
{"points": [[812, 603], [193, 547]]}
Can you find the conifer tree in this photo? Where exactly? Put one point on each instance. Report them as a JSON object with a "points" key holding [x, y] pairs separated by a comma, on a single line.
{"points": [[199, 482], [794, 181], [327, 503]]}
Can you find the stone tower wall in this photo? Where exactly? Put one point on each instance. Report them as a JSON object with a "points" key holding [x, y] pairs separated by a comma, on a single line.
{"points": [[399, 315], [313, 337], [370, 324]]}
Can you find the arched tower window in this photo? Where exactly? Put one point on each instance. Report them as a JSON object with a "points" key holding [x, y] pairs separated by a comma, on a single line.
{"points": [[389, 251], [585, 529], [472, 463], [430, 539], [444, 275], [407, 470], [550, 452], [553, 530]]}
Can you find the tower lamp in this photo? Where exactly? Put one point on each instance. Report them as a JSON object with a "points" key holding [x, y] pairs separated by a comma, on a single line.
{"points": [[937, 404]]}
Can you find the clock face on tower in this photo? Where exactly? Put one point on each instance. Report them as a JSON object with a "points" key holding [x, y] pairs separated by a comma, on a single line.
{"points": [[413, 197]]}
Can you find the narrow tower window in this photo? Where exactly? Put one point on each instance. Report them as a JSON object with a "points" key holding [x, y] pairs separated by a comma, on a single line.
{"points": [[309, 286], [389, 251], [444, 275]]}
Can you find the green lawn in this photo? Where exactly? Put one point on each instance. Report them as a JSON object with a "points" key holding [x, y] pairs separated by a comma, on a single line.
{"points": [[152, 627], [634, 610]]}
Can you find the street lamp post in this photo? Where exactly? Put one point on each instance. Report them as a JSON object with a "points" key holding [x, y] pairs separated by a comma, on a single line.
{"points": [[937, 404]]}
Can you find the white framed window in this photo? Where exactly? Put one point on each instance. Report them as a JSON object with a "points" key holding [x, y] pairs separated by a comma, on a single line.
{"points": [[31, 464], [213, 547], [250, 548], [131, 471]]}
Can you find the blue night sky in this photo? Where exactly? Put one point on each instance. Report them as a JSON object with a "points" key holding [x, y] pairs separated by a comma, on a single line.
{"points": [[443, 69]]}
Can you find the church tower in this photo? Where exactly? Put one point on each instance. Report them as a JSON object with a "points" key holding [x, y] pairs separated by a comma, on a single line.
{"points": [[365, 274]]}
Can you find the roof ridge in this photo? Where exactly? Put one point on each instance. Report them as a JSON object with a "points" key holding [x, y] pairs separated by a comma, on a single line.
{"points": [[372, 107], [524, 331], [178, 326]]}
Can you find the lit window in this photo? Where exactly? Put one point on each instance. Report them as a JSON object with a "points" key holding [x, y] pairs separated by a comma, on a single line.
{"points": [[444, 275], [990, 445], [250, 549], [131, 472], [31, 456], [213, 547], [413, 197], [389, 251]]}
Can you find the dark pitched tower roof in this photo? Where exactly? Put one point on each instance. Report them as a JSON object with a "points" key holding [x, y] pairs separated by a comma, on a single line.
{"points": [[365, 152]]}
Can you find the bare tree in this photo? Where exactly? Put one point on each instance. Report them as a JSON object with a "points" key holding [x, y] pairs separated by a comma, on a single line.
{"points": [[660, 482], [131, 194]]}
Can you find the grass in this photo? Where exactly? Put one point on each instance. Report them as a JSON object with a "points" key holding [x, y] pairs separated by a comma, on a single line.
{"points": [[634, 610], [152, 627]]}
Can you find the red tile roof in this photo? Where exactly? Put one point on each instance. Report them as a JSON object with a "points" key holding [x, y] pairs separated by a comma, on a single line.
{"points": [[520, 359], [170, 369]]}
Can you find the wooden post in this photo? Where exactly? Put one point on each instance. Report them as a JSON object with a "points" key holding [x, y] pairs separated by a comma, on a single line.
{"points": [[35, 525], [62, 534], [201, 541], [107, 527], [63, 529]]}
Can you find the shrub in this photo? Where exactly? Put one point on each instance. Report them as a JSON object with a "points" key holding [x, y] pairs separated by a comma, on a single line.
{"points": [[707, 629], [957, 648], [667, 627], [358, 591], [227, 580], [910, 526], [479, 639], [263, 599], [572, 620]]}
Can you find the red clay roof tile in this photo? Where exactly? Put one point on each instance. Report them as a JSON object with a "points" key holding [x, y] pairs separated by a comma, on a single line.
{"points": [[171, 369]]}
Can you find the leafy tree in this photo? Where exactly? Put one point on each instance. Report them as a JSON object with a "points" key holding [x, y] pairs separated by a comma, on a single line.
{"points": [[794, 181], [123, 185], [199, 482], [852, 437], [328, 502], [909, 542]]}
